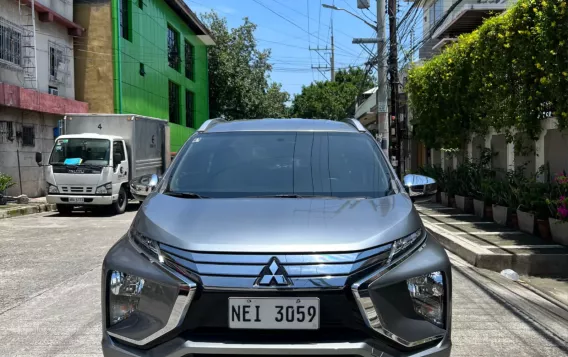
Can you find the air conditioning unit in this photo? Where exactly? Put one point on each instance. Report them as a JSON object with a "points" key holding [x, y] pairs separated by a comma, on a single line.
{"points": [[53, 91]]}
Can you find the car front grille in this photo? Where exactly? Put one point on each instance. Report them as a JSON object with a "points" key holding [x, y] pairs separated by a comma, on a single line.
{"points": [[304, 270], [77, 189]]}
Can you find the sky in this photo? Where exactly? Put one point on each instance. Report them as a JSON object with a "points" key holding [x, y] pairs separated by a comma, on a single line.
{"points": [[284, 26]]}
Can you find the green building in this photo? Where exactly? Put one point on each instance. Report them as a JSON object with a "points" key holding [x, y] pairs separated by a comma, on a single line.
{"points": [[146, 57]]}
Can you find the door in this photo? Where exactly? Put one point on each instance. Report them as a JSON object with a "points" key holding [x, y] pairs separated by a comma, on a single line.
{"points": [[119, 164]]}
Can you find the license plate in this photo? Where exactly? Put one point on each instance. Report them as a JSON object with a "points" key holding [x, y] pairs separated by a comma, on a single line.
{"points": [[274, 313], [76, 200]]}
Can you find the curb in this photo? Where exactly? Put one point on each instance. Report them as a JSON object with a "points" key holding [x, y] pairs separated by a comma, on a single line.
{"points": [[23, 211], [524, 264]]}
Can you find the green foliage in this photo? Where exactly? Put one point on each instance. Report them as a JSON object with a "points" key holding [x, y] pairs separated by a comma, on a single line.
{"points": [[331, 100], [239, 85], [5, 182], [507, 74]]}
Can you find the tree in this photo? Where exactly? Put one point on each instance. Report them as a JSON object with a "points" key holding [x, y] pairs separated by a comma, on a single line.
{"points": [[331, 100], [239, 74]]}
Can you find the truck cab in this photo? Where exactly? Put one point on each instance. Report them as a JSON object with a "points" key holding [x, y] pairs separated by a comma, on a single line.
{"points": [[88, 169]]}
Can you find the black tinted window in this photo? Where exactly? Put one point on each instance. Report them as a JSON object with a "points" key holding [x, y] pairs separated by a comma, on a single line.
{"points": [[244, 164]]}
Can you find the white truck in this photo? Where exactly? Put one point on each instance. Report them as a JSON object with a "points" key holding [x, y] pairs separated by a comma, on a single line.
{"points": [[97, 155]]}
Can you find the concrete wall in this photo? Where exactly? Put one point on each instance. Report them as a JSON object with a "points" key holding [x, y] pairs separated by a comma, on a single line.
{"points": [[31, 175], [556, 151], [94, 62], [45, 32]]}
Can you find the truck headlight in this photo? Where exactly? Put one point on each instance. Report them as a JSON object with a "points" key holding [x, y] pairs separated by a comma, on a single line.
{"points": [[52, 188], [105, 189], [124, 295], [428, 295], [403, 244]]}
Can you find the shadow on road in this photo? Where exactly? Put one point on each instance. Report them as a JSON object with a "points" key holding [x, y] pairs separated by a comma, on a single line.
{"points": [[95, 211]]}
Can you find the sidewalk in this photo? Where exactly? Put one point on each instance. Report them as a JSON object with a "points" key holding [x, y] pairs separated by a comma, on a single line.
{"points": [[35, 205], [488, 245]]}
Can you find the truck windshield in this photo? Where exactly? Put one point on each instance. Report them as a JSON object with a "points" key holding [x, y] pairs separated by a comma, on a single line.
{"points": [[281, 164], [80, 151]]}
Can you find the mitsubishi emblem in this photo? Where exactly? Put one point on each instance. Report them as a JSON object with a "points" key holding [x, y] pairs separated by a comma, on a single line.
{"points": [[273, 273]]}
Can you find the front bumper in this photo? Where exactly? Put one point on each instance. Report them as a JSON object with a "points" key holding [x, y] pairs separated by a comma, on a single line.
{"points": [[343, 331], [87, 200]]}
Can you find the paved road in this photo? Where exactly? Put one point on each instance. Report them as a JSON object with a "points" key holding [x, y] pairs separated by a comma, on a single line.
{"points": [[49, 295]]}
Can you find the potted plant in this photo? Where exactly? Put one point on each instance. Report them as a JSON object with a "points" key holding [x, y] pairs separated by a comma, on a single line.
{"points": [[501, 197], [452, 184], [464, 175], [5, 183], [559, 224], [527, 195]]}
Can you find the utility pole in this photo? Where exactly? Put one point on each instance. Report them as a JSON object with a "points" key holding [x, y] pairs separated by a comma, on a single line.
{"points": [[393, 70], [382, 109], [332, 59]]}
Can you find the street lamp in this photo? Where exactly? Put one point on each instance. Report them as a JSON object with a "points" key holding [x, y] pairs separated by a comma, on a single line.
{"points": [[333, 7]]}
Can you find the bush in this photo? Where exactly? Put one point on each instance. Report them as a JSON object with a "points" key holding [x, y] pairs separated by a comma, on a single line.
{"points": [[510, 73], [5, 182]]}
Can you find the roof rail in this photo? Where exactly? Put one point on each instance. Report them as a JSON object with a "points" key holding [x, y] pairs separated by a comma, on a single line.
{"points": [[208, 124], [355, 123]]}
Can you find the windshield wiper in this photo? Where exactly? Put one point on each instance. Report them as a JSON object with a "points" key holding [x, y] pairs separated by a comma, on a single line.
{"points": [[184, 194]]}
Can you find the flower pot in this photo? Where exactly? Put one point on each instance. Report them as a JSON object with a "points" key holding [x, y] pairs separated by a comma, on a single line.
{"points": [[444, 198], [514, 221], [479, 208], [500, 214], [489, 212], [464, 204], [559, 231], [543, 228], [452, 201], [526, 221]]}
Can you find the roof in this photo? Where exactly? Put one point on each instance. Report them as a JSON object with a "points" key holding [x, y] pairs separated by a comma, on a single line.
{"points": [[89, 136], [279, 125], [192, 21]]}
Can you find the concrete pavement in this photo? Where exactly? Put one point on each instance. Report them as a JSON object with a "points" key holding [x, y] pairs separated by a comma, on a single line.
{"points": [[50, 295]]}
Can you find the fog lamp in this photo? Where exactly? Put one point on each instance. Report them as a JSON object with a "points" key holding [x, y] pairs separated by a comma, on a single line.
{"points": [[428, 296], [124, 295]]}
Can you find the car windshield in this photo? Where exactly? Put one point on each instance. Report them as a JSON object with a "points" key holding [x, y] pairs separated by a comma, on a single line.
{"points": [[80, 151], [285, 164]]}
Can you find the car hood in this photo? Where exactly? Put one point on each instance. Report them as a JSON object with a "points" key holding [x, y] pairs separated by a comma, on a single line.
{"points": [[276, 225]]}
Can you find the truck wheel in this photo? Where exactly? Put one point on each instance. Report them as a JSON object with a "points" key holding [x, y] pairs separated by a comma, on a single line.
{"points": [[64, 210], [120, 205]]}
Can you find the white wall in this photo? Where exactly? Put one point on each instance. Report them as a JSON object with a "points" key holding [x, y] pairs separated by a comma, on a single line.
{"points": [[31, 174], [45, 31]]}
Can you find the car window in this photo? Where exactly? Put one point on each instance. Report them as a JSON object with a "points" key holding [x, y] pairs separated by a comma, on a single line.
{"points": [[245, 164], [118, 148]]}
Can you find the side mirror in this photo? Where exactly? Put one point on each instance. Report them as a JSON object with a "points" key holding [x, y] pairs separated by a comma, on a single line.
{"points": [[39, 158], [420, 188], [142, 186], [116, 159]]}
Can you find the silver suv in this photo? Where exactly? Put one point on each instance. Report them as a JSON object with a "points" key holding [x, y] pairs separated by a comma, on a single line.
{"points": [[278, 237]]}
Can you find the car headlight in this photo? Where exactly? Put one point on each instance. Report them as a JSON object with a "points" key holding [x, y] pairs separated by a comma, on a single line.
{"points": [[52, 188], [428, 295], [105, 189], [403, 244], [149, 246], [125, 291]]}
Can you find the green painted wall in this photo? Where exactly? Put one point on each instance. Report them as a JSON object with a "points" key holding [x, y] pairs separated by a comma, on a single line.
{"points": [[148, 94]]}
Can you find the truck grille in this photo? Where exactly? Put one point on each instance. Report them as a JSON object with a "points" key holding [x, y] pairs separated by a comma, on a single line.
{"points": [[77, 189], [304, 270]]}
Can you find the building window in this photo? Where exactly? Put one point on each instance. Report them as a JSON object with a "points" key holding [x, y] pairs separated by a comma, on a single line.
{"points": [[10, 43], [141, 4], [435, 12], [173, 48], [56, 63], [142, 70], [189, 109], [6, 131], [189, 60], [28, 135], [124, 8], [173, 96], [53, 90]]}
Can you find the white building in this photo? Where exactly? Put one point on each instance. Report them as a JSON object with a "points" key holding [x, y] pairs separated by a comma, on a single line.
{"points": [[36, 84]]}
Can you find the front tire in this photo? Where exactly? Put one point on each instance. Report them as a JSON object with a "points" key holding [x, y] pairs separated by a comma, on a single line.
{"points": [[119, 207], [64, 210]]}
